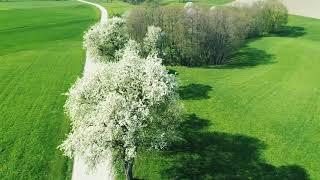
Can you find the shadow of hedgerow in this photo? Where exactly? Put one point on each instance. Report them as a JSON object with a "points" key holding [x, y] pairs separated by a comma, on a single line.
{"points": [[290, 31], [208, 155], [195, 92], [247, 57]]}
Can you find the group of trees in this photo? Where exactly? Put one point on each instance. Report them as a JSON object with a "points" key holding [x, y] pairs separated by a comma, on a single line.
{"points": [[129, 103], [195, 36]]}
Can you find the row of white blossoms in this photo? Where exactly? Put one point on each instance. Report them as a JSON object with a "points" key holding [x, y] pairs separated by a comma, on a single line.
{"points": [[130, 102]]}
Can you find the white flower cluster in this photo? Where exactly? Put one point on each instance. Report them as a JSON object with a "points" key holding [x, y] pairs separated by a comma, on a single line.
{"points": [[103, 40], [152, 41], [188, 5], [124, 104], [132, 47]]}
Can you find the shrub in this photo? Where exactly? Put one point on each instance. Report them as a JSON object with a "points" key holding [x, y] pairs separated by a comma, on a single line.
{"points": [[266, 16], [276, 15], [228, 28]]}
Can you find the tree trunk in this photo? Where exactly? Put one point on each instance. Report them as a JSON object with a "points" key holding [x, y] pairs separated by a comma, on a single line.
{"points": [[128, 165]]}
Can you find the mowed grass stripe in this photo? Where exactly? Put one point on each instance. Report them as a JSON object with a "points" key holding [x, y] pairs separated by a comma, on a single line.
{"points": [[38, 65]]}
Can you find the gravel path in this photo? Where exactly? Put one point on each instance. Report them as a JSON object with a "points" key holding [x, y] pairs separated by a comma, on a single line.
{"points": [[103, 11], [90, 66], [104, 170]]}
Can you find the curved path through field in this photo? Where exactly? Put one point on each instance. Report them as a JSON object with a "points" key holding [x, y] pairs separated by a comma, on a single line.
{"points": [[103, 11], [104, 170]]}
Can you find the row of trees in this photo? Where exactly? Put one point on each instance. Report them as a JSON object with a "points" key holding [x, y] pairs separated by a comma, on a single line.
{"points": [[195, 36], [129, 103]]}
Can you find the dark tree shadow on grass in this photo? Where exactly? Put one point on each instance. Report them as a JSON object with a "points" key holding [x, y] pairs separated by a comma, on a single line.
{"points": [[172, 71], [207, 155], [195, 92], [247, 57], [290, 31]]}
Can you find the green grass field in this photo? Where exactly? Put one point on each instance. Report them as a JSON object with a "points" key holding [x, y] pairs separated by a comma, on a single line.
{"points": [[40, 57], [119, 7], [207, 3], [258, 118]]}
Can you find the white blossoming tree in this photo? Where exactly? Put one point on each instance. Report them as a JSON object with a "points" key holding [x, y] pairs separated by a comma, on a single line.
{"points": [[103, 40], [152, 40], [124, 106]]}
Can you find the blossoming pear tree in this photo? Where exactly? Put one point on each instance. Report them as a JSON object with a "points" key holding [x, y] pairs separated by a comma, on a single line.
{"points": [[103, 40], [124, 106]]}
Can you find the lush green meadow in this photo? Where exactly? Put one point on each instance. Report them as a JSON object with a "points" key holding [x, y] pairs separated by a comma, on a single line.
{"points": [[40, 57], [119, 7], [208, 3], [257, 118]]}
